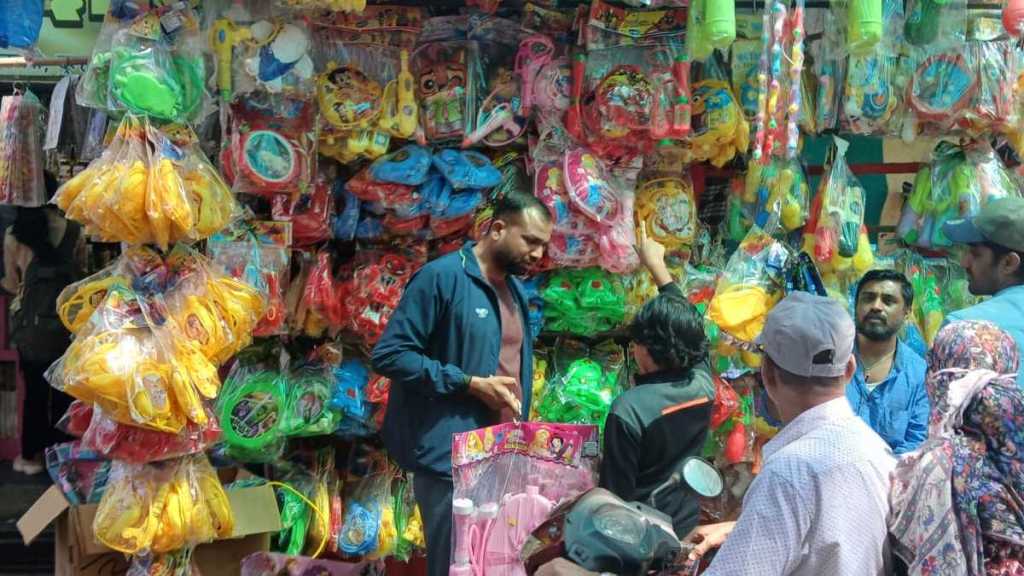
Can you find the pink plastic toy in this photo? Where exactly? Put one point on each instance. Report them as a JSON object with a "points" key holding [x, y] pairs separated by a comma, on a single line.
{"points": [[508, 479], [592, 194]]}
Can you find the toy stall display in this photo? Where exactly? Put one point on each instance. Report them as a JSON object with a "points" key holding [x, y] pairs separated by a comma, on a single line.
{"points": [[508, 479], [351, 144]]}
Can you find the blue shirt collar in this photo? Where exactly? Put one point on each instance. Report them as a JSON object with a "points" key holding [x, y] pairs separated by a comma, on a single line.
{"points": [[899, 365]]}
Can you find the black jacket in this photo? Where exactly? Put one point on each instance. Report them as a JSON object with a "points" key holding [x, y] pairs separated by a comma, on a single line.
{"points": [[447, 328], [650, 430]]}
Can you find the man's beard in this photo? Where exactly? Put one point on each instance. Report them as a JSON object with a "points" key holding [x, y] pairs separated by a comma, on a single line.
{"points": [[508, 264], [876, 331]]}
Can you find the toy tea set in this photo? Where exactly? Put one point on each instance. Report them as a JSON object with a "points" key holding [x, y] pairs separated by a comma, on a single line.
{"points": [[508, 479]]}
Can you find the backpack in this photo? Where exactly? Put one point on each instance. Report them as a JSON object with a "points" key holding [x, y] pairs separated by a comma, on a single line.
{"points": [[36, 328]]}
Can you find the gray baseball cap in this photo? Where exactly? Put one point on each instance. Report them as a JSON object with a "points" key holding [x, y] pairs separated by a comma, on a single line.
{"points": [[809, 335], [1000, 222]]}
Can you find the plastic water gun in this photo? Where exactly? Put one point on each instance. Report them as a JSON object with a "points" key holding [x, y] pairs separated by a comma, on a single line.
{"points": [[224, 36]]}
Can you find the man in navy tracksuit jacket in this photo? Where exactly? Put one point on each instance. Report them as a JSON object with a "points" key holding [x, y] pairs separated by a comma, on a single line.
{"points": [[458, 352]]}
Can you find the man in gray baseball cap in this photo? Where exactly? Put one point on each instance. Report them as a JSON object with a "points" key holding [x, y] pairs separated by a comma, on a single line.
{"points": [[820, 503], [994, 262]]}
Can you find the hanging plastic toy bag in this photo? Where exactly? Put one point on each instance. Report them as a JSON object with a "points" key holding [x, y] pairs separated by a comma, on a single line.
{"points": [[252, 408], [441, 67], [261, 261], [366, 95], [259, 52], [162, 507], [21, 151], [349, 397], [780, 195], [308, 411], [875, 85], [270, 146], [720, 130], [148, 189], [594, 194], [508, 479], [495, 106], [118, 441], [582, 383], [830, 70], [138, 391], [147, 61], [749, 286], [838, 224], [310, 214], [943, 84], [80, 473], [632, 88], [376, 289], [933, 23], [573, 242], [668, 209], [583, 301], [994, 104]]}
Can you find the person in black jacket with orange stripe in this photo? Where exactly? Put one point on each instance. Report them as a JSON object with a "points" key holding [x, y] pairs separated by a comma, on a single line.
{"points": [[654, 426]]}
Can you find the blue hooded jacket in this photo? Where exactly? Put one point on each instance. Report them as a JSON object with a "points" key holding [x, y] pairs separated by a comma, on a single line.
{"points": [[446, 329]]}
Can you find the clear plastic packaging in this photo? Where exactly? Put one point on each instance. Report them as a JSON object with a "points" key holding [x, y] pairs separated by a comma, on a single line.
{"points": [[162, 507], [582, 383], [118, 441], [252, 408], [441, 66], [21, 150], [146, 189], [632, 87], [508, 479], [270, 145], [749, 286], [583, 301]]}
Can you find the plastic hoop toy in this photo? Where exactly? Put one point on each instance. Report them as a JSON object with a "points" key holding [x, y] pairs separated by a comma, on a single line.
{"points": [[269, 159], [942, 87], [870, 96], [251, 415]]}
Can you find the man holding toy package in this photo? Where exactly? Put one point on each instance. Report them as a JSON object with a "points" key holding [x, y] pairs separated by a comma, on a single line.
{"points": [[457, 352]]}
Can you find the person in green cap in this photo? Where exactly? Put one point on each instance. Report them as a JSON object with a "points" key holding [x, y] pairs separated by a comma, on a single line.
{"points": [[994, 261]]}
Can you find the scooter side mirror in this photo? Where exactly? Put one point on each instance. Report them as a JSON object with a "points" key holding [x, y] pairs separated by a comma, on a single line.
{"points": [[702, 477]]}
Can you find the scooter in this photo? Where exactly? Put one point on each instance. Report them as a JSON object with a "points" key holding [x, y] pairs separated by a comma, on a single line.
{"points": [[602, 533]]}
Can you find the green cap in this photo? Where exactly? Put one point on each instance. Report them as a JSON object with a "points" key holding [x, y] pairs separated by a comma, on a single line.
{"points": [[999, 222]]}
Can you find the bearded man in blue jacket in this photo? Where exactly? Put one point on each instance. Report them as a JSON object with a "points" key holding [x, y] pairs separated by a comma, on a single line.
{"points": [[459, 356]]}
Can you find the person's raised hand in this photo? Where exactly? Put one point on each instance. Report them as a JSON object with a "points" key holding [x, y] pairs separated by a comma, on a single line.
{"points": [[652, 256], [496, 392], [709, 536]]}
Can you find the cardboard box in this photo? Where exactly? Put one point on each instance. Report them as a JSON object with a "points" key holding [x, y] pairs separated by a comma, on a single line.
{"points": [[79, 554]]}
